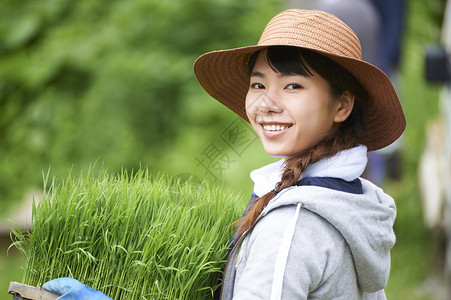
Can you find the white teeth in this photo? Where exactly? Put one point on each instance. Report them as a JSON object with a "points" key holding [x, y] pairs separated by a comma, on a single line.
{"points": [[274, 127]]}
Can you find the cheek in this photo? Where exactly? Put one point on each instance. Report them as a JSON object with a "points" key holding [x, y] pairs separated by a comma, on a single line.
{"points": [[250, 108]]}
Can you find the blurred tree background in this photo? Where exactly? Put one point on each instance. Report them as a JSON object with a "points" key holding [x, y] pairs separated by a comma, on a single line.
{"points": [[111, 81]]}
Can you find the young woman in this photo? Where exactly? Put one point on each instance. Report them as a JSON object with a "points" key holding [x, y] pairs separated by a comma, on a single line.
{"points": [[313, 228]]}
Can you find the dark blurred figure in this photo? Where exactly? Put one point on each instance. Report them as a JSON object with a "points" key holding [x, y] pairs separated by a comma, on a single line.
{"points": [[392, 24], [387, 161], [363, 17], [379, 26]]}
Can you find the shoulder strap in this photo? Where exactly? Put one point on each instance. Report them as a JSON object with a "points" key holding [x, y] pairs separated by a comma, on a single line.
{"points": [[282, 257]]}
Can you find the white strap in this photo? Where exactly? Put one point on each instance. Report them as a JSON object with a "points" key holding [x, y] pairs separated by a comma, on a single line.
{"points": [[282, 257]]}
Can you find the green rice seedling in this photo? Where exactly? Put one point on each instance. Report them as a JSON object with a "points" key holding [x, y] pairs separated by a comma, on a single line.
{"points": [[131, 235]]}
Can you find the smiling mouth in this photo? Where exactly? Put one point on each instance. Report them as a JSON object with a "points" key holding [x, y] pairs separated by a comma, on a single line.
{"points": [[276, 127]]}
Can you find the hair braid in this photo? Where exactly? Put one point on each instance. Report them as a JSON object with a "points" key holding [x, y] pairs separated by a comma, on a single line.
{"points": [[293, 168]]}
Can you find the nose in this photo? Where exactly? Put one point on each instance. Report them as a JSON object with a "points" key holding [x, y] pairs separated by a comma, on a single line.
{"points": [[267, 103]]}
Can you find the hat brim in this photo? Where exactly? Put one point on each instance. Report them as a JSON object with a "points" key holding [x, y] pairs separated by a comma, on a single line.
{"points": [[224, 75]]}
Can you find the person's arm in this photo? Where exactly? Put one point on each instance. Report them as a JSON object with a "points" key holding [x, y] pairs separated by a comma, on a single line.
{"points": [[70, 288]]}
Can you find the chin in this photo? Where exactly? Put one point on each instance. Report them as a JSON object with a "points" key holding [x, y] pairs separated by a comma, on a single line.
{"points": [[276, 155], [279, 154]]}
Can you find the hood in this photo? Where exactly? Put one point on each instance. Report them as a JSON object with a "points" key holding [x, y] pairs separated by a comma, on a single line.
{"points": [[347, 165], [364, 220]]}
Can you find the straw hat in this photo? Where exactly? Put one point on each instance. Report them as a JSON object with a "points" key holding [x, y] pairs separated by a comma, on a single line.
{"points": [[224, 74]]}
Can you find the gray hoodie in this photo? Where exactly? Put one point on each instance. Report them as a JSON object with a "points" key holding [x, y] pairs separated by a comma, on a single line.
{"points": [[313, 242]]}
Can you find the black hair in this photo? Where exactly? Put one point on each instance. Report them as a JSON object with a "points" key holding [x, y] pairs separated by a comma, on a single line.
{"points": [[299, 61]]}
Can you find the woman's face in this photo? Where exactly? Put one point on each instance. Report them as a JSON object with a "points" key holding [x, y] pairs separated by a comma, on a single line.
{"points": [[289, 113]]}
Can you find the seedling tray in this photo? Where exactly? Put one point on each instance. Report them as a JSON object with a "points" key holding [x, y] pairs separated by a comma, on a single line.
{"points": [[21, 291]]}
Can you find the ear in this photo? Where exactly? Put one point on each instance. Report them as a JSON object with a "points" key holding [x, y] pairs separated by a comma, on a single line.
{"points": [[344, 109]]}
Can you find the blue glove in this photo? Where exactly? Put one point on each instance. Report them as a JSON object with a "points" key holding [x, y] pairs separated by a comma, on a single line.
{"points": [[73, 289]]}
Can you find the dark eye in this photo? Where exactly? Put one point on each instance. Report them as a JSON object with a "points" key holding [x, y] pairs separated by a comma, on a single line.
{"points": [[294, 86], [257, 86]]}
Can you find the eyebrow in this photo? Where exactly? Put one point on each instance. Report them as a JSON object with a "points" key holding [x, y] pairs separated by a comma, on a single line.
{"points": [[257, 74], [261, 75]]}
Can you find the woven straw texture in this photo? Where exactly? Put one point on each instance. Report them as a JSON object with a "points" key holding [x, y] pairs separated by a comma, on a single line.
{"points": [[223, 74]]}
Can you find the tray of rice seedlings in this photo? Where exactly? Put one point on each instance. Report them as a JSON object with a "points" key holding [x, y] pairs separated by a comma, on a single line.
{"points": [[130, 235]]}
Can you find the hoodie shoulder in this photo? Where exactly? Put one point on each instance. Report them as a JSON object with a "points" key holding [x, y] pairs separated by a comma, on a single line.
{"points": [[364, 220], [316, 253]]}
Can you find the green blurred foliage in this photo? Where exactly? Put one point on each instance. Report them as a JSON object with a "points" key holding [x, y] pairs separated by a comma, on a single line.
{"points": [[111, 81], [417, 255]]}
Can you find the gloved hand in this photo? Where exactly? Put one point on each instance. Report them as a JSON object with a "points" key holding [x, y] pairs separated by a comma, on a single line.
{"points": [[70, 288]]}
